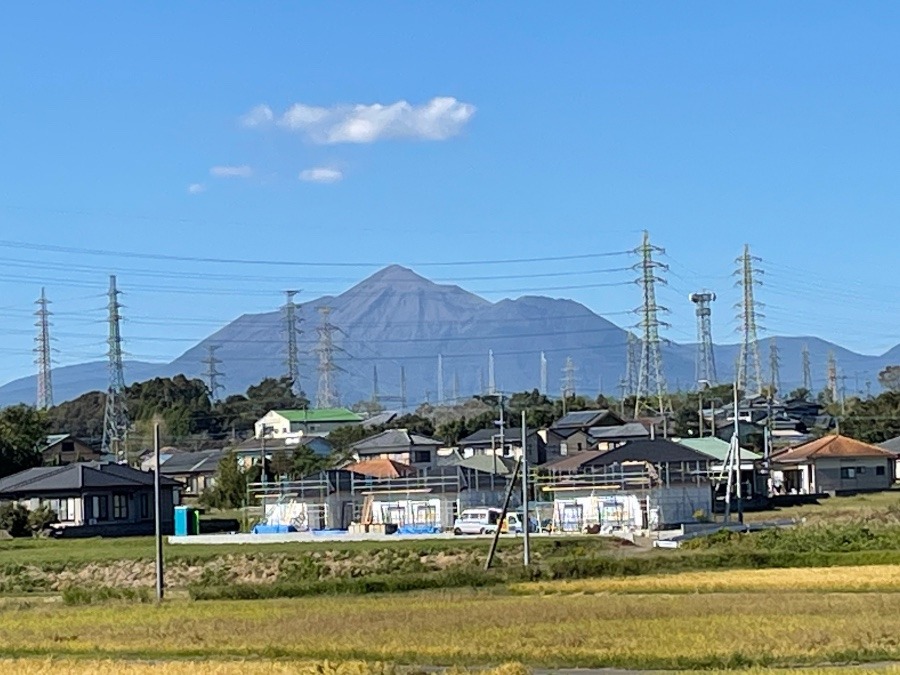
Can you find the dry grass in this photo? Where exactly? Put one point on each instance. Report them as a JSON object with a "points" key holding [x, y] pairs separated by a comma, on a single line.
{"points": [[475, 628], [867, 578]]}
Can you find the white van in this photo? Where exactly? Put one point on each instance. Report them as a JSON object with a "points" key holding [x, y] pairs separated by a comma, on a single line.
{"points": [[477, 521]]}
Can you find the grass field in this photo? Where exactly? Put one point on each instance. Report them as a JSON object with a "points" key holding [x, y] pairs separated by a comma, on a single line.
{"points": [[476, 628], [872, 507]]}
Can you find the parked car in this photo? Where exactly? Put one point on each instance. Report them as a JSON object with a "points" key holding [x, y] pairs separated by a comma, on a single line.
{"points": [[477, 521]]}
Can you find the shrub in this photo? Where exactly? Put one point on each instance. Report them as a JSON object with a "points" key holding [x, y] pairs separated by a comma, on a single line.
{"points": [[78, 595], [41, 518], [14, 519]]}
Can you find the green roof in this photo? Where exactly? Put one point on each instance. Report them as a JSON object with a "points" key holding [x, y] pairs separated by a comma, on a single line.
{"points": [[320, 415], [716, 448]]}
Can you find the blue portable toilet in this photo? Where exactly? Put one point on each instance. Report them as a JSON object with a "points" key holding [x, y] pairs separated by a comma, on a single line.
{"points": [[183, 518]]}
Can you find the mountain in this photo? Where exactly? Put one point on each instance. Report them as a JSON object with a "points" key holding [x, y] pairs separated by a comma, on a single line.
{"points": [[397, 318]]}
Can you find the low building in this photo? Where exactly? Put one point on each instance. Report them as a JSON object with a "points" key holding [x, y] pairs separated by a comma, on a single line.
{"points": [[195, 471], [893, 446], [571, 433], [833, 464], [94, 499], [313, 422], [400, 445], [62, 449], [250, 452]]}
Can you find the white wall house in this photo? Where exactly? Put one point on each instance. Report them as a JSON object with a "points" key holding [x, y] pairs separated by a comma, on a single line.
{"points": [[313, 422]]}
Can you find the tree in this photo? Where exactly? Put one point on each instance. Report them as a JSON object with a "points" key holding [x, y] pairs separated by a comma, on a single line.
{"points": [[230, 487], [800, 394], [23, 430], [281, 464], [14, 520], [306, 462], [889, 378]]}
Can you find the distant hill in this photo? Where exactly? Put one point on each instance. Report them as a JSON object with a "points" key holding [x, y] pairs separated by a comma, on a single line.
{"points": [[398, 318]]}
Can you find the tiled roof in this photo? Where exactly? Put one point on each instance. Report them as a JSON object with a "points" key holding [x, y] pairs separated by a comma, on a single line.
{"points": [[657, 451], [381, 468], [204, 461], [830, 446], [393, 440], [584, 418], [76, 477]]}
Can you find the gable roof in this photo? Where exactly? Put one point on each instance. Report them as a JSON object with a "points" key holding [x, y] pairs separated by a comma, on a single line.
{"points": [[503, 466], [892, 445], [319, 415], [485, 436], [658, 451], [584, 419], [203, 461], [381, 468], [716, 448], [628, 430], [830, 446], [393, 440], [76, 477]]}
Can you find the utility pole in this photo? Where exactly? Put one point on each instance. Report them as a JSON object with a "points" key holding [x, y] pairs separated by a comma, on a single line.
{"points": [[807, 369], [212, 372], [706, 359], [440, 379], [403, 387], [543, 374], [42, 349], [115, 416], [749, 377], [375, 398], [292, 331], [327, 395], [651, 381], [157, 514], [492, 382], [832, 377], [526, 521]]}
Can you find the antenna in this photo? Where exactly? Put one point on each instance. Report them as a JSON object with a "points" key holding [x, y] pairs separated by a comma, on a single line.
{"points": [[292, 331], [212, 372], [650, 381], [115, 417], [706, 359], [42, 349], [749, 375]]}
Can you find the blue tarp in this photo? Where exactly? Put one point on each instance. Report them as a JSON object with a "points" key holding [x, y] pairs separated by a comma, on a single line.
{"points": [[418, 529], [328, 532], [273, 529]]}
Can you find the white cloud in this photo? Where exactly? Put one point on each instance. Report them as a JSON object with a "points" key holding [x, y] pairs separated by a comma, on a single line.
{"points": [[196, 188], [321, 174], [231, 171], [259, 116], [439, 119]]}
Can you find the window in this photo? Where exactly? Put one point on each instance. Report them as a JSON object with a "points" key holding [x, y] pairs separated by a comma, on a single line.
{"points": [[68, 446], [63, 508], [100, 510], [860, 469], [144, 501], [879, 470], [421, 457], [848, 472], [120, 507]]}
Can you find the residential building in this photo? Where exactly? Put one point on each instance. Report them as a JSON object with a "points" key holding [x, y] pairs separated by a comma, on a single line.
{"points": [[61, 449], [893, 446], [399, 445], [572, 432], [833, 464], [488, 442], [93, 498], [195, 471], [311, 422], [249, 452], [608, 437]]}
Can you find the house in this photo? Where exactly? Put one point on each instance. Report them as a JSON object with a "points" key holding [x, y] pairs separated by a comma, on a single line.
{"points": [[605, 438], [640, 484], [487, 442], [893, 446], [94, 499], [749, 435], [400, 445], [248, 452], [313, 422], [833, 464], [571, 433], [195, 471], [754, 482], [61, 449]]}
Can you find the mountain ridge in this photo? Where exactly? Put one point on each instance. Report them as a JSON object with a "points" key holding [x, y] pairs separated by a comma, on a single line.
{"points": [[397, 317]]}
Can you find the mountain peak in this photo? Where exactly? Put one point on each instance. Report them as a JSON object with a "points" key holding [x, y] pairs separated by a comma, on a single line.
{"points": [[394, 274]]}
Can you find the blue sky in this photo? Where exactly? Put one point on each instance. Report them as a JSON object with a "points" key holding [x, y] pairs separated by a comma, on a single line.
{"points": [[507, 132]]}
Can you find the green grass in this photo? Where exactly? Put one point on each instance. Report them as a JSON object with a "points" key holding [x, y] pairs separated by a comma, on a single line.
{"points": [[878, 506]]}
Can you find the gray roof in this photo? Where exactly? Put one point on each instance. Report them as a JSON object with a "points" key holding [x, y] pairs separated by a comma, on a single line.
{"points": [[484, 436], [381, 418], [394, 440], [288, 444], [75, 478], [203, 461], [503, 466], [629, 430], [891, 445], [658, 451], [582, 418]]}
